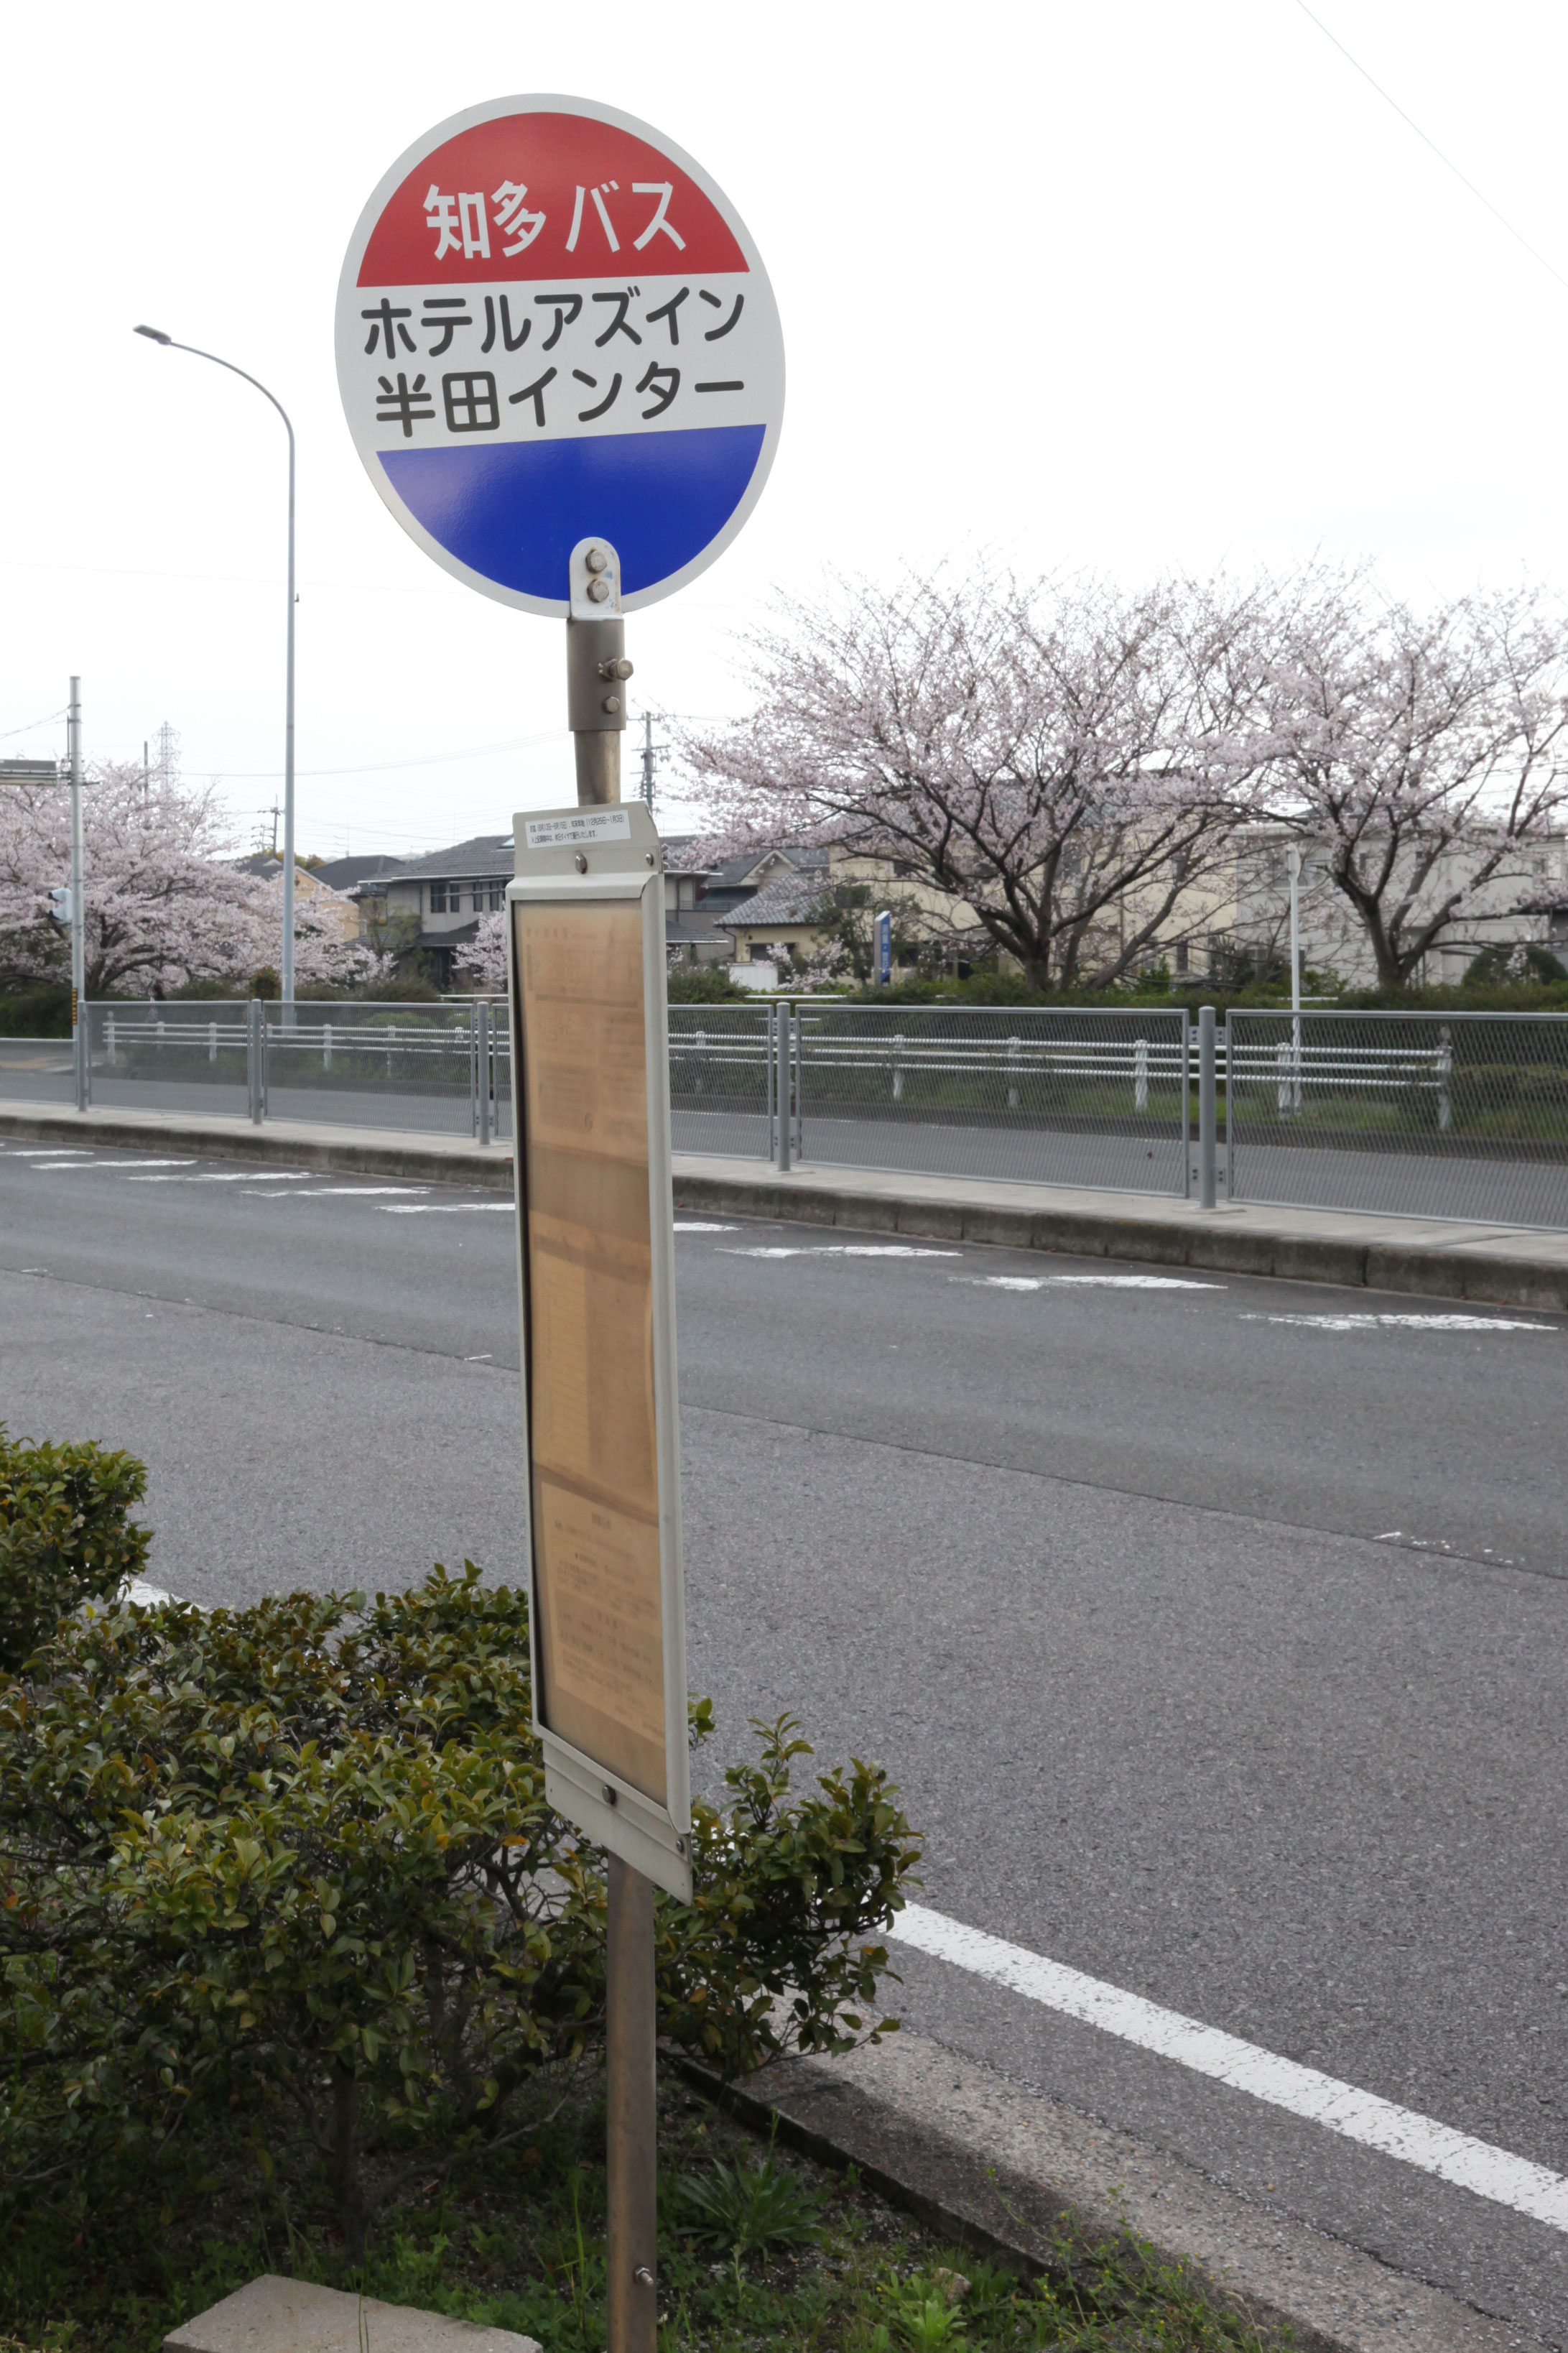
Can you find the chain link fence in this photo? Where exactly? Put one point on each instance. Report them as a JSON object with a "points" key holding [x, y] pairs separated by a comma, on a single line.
{"points": [[721, 1079], [1451, 1115], [1413, 1114], [1033, 1094]]}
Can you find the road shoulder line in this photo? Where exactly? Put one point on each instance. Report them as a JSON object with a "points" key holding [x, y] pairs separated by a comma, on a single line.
{"points": [[1005, 2168]]}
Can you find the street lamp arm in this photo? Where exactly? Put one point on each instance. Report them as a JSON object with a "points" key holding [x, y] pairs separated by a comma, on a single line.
{"points": [[198, 352]]}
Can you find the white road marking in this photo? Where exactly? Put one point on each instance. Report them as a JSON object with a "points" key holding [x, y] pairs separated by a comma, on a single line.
{"points": [[1353, 1322], [1415, 2139], [1098, 1281], [47, 1151], [350, 1192], [145, 1596], [700, 1226], [236, 1176], [48, 1168], [845, 1250], [443, 1209]]}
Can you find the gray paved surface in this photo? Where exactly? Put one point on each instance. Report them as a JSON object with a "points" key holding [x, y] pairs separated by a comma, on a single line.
{"points": [[1524, 1191], [1091, 1566]]}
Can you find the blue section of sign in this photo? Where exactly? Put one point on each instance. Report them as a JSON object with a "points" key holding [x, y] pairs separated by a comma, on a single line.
{"points": [[515, 510]]}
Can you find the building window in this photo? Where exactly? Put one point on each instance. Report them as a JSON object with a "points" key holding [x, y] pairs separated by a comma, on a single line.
{"points": [[497, 896], [439, 898]]}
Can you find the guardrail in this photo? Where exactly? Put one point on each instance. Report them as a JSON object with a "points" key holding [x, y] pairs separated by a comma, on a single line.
{"points": [[1442, 1115]]}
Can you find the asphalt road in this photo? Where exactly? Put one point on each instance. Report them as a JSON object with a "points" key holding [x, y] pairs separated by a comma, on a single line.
{"points": [[1214, 1629]]}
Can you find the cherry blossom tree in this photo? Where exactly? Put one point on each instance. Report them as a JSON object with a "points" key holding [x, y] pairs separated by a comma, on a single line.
{"points": [[164, 902], [1064, 764], [1425, 755], [480, 963]]}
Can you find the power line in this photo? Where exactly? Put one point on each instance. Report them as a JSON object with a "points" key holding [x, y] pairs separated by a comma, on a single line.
{"points": [[1448, 159], [377, 767], [12, 733]]}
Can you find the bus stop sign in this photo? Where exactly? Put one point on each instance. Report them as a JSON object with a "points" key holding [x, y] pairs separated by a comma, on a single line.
{"points": [[551, 323]]}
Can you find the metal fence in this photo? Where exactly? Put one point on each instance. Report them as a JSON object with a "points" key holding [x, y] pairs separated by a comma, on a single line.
{"points": [[1029, 1093], [1418, 1114], [1455, 1115]]}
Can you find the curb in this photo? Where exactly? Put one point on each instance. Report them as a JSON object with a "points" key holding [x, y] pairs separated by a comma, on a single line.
{"points": [[1011, 2174], [445, 1160], [1499, 1278], [1472, 1267]]}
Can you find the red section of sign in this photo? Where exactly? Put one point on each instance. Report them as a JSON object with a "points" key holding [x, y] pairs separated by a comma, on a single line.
{"points": [[488, 188]]}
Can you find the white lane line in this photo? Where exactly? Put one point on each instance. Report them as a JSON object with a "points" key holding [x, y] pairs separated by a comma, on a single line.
{"points": [[701, 1226], [845, 1250], [238, 1177], [443, 1208], [349, 1192], [50, 1167], [47, 1152], [1351, 1323], [1098, 1281], [1454, 2156]]}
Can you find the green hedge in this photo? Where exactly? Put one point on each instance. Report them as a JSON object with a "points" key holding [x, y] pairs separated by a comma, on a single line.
{"points": [[64, 1537], [296, 1861]]}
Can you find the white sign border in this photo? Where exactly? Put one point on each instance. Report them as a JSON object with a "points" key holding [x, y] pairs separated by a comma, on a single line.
{"points": [[556, 608], [655, 1840]]}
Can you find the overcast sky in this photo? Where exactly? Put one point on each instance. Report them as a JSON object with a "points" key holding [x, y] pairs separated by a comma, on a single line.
{"points": [[1162, 284]]}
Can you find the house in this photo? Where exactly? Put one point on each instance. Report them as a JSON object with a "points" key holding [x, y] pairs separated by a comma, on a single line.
{"points": [[337, 915], [363, 880], [445, 894]]}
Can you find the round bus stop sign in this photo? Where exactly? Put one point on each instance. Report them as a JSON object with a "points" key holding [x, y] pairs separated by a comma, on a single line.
{"points": [[551, 324]]}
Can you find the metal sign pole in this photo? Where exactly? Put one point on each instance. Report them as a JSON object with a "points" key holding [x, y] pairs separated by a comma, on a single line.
{"points": [[79, 910], [597, 669]]}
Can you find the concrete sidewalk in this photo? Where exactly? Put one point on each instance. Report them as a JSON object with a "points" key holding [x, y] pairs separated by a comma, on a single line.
{"points": [[1500, 1266]]}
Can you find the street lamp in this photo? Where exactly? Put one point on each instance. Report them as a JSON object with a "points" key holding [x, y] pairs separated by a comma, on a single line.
{"points": [[156, 335]]}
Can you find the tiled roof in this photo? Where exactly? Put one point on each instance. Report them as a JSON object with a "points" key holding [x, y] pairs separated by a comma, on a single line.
{"points": [[486, 854], [792, 899]]}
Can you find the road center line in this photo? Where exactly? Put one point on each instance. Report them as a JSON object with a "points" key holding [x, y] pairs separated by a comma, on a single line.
{"points": [[1454, 2156]]}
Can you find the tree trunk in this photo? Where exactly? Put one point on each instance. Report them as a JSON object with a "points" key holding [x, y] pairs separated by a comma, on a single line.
{"points": [[344, 2174]]}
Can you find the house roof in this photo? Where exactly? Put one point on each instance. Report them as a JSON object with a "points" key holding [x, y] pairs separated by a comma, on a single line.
{"points": [[486, 854], [792, 899], [346, 873], [692, 926]]}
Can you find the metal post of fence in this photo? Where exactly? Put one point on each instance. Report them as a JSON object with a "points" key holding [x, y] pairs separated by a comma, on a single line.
{"points": [[1141, 1074], [253, 1060], [1207, 1107], [1187, 1110], [484, 1014], [782, 1065], [1445, 1071], [1229, 1108], [799, 1084]]}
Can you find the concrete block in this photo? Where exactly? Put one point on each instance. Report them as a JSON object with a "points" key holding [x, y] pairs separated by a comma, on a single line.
{"points": [[1515, 1282], [1309, 1257], [1066, 1232], [1001, 1229], [1158, 1243], [866, 1213], [285, 2316], [1425, 1274], [936, 1222]]}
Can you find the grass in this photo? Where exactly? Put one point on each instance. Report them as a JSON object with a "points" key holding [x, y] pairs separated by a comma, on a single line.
{"points": [[755, 2248]]}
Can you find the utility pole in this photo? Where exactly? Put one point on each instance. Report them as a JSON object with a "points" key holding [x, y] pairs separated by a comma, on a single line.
{"points": [[79, 913], [652, 754]]}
